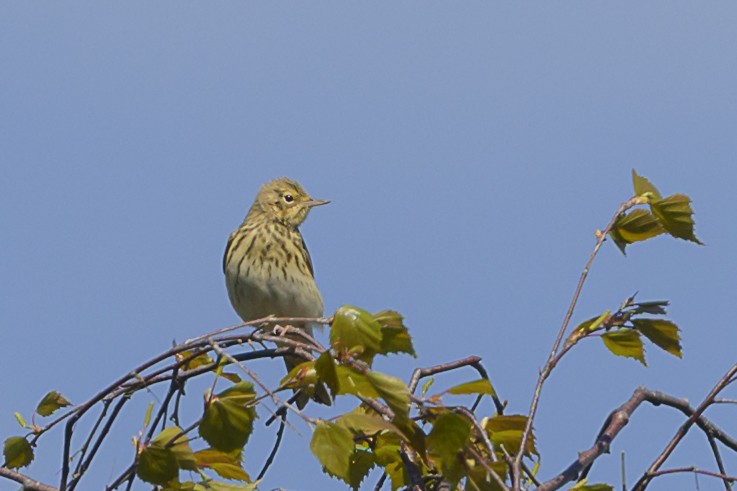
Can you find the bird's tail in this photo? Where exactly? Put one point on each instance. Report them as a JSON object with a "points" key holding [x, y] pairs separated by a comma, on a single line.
{"points": [[318, 392]]}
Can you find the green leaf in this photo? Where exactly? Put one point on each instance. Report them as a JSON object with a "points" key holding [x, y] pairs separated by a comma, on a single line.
{"points": [[352, 382], [173, 439], [20, 420], [147, 417], [593, 487], [395, 336], [676, 216], [50, 403], [233, 377], [591, 325], [662, 333], [625, 342], [201, 359], [635, 226], [386, 450], [506, 430], [426, 386], [231, 471], [17, 452], [642, 186], [360, 464], [157, 465], [228, 419], [333, 445], [226, 464], [480, 386], [212, 485], [367, 424], [301, 375], [481, 479], [394, 392], [222, 486], [655, 307], [355, 330], [326, 372], [412, 433], [449, 435]]}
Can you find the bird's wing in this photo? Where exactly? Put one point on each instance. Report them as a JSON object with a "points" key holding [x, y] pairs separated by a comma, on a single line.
{"points": [[307, 257]]}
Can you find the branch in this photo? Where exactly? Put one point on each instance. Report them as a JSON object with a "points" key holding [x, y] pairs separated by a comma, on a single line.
{"points": [[28, 483], [619, 418], [552, 360], [643, 482], [472, 361]]}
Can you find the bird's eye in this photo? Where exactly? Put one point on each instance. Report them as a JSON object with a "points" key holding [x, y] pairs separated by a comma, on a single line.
{"points": [[288, 198]]}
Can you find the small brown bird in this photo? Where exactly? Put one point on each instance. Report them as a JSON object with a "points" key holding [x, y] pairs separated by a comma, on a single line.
{"points": [[268, 270]]}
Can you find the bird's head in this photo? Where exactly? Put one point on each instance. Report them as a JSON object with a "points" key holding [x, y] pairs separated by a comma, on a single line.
{"points": [[284, 200]]}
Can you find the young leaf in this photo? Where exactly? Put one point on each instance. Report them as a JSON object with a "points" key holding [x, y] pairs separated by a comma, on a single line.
{"points": [[393, 390], [395, 337], [481, 386], [506, 431], [662, 333], [625, 342], [352, 382], [655, 307], [50, 403], [426, 386], [17, 452], [147, 417], [20, 420], [412, 433], [387, 451], [228, 470], [366, 424], [333, 445], [302, 375], [201, 359], [228, 419], [226, 464], [591, 325], [635, 226], [360, 464], [449, 435], [481, 480], [355, 329], [676, 216], [172, 438], [326, 372], [642, 186], [157, 465]]}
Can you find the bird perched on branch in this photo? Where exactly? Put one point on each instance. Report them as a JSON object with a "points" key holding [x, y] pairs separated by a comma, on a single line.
{"points": [[268, 270]]}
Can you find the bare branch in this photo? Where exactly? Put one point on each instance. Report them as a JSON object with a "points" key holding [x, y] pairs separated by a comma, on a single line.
{"points": [[693, 418], [28, 483], [619, 418]]}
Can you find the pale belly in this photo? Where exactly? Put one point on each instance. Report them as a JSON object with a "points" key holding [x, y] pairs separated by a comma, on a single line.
{"points": [[254, 298]]}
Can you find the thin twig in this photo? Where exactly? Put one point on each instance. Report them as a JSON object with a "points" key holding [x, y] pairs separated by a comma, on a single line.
{"points": [[718, 459], [619, 418], [551, 362], [277, 443], [85, 463], [380, 482], [695, 470], [694, 418]]}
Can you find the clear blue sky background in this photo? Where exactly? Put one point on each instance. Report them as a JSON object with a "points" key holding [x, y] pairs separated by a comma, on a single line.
{"points": [[470, 151]]}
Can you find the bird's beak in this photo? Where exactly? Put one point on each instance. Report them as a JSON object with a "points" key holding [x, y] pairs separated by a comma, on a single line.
{"points": [[315, 202]]}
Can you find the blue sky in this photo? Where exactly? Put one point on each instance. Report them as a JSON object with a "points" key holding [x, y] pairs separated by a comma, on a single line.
{"points": [[470, 151]]}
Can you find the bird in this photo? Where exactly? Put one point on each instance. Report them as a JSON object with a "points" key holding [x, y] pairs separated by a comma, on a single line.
{"points": [[268, 269]]}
